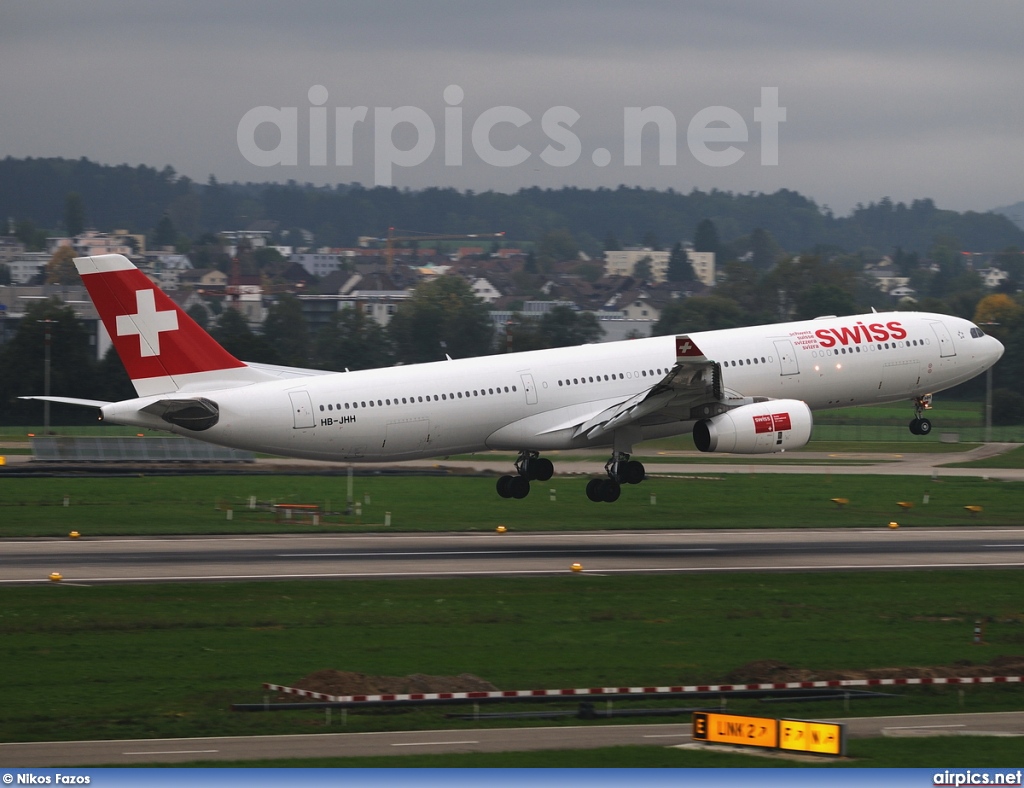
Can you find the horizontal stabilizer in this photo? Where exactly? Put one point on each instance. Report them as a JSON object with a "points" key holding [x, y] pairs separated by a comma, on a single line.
{"points": [[91, 403]]}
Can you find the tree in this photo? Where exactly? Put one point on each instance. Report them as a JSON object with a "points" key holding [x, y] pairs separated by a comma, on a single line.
{"points": [[642, 269], [112, 381], [233, 332], [763, 249], [556, 246], [74, 214], [565, 327], [165, 234], [679, 267], [821, 299], [351, 340], [72, 365], [700, 313], [443, 316], [33, 237], [746, 287], [611, 244], [287, 331], [60, 270], [200, 314], [705, 238], [998, 309]]}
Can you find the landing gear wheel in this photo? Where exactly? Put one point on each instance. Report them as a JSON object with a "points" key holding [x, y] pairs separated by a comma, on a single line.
{"points": [[611, 491], [595, 490], [519, 487], [920, 426], [542, 469], [504, 486], [633, 473]]}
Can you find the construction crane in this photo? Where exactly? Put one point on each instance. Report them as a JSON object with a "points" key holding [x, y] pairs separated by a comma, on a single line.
{"points": [[392, 239]]}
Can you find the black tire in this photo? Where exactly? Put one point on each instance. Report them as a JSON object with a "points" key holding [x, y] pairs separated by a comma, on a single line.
{"points": [[503, 486], [924, 427], [519, 487], [634, 472], [915, 426], [595, 490], [542, 469], [612, 490]]}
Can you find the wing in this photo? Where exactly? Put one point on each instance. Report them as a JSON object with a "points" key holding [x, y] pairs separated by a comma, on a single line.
{"points": [[694, 380]]}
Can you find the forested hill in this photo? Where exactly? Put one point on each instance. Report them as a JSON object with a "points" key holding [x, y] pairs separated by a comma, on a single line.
{"points": [[136, 198]]}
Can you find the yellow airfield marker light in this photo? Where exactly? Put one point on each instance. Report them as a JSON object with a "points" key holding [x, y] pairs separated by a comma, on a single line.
{"points": [[74, 535], [974, 509], [56, 577], [500, 529], [894, 525], [577, 567], [840, 502], [905, 505]]}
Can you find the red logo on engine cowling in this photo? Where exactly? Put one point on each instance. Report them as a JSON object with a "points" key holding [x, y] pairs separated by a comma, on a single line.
{"points": [[776, 422]]}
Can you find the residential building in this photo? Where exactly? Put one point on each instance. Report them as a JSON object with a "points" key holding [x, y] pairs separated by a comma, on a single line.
{"points": [[320, 264], [624, 262], [27, 266]]}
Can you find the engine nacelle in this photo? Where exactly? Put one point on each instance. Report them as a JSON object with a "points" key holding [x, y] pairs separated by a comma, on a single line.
{"points": [[760, 428]]}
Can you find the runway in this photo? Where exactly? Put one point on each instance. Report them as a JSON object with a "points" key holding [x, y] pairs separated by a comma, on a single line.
{"points": [[398, 743], [345, 556]]}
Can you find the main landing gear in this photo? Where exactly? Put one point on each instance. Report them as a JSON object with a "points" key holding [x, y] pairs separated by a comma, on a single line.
{"points": [[621, 470], [919, 425], [529, 467]]}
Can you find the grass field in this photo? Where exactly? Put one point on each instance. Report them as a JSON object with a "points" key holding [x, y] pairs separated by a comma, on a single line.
{"points": [[198, 504], [168, 660]]}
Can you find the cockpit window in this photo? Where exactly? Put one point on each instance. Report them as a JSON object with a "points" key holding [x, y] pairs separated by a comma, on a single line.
{"points": [[977, 332]]}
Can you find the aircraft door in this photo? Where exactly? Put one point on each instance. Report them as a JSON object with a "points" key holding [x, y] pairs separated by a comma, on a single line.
{"points": [[946, 348], [787, 357], [302, 410], [529, 388]]}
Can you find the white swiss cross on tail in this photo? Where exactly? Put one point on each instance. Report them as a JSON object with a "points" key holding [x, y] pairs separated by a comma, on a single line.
{"points": [[147, 322]]}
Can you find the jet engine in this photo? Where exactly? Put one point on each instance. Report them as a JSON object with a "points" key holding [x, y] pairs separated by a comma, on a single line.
{"points": [[759, 428]]}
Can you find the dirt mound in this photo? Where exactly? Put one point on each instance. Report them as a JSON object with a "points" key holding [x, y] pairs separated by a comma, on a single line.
{"points": [[767, 671], [344, 682]]}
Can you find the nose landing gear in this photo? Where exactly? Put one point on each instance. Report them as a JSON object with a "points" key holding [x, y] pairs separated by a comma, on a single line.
{"points": [[920, 425]]}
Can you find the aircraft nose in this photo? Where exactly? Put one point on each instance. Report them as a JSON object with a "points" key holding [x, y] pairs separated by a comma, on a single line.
{"points": [[996, 349]]}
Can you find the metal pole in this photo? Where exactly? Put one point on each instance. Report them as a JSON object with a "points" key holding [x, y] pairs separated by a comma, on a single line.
{"points": [[47, 340], [988, 405]]}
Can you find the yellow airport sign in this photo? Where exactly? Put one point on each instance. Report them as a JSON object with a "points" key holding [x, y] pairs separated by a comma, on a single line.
{"points": [[825, 738], [735, 729]]}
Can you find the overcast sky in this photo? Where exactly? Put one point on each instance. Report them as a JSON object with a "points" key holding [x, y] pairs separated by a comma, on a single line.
{"points": [[920, 98]]}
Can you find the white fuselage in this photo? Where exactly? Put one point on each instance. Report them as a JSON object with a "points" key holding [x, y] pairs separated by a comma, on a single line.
{"points": [[533, 400]]}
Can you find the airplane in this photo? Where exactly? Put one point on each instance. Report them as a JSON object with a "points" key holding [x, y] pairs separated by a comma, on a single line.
{"points": [[741, 390]]}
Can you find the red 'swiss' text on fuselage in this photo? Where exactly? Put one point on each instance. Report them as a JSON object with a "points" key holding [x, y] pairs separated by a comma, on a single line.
{"points": [[861, 333]]}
